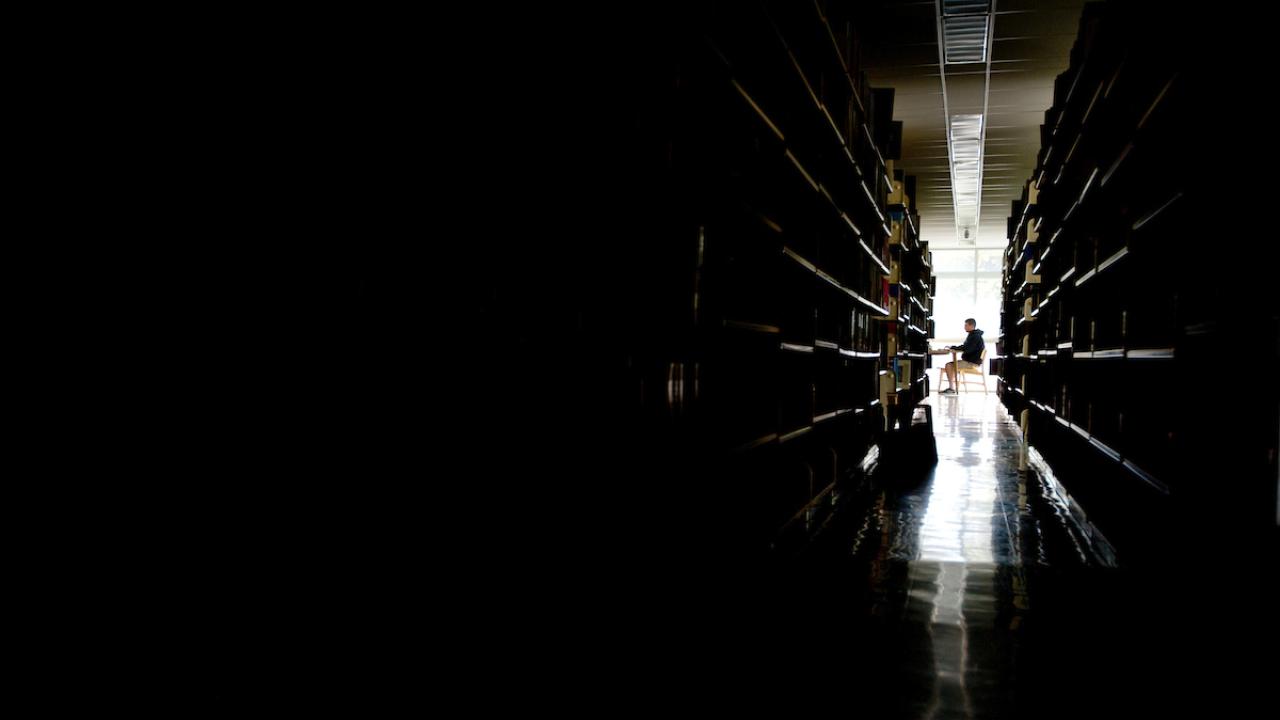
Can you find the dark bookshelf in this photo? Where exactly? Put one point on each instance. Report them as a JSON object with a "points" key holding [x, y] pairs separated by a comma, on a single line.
{"points": [[756, 273], [1098, 359]]}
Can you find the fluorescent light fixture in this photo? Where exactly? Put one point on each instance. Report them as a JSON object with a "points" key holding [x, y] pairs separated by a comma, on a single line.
{"points": [[965, 29], [965, 7], [966, 174], [965, 39]]}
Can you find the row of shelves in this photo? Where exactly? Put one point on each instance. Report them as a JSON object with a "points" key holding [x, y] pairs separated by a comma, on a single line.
{"points": [[767, 310], [1068, 353], [1117, 298], [825, 128], [1111, 407]]}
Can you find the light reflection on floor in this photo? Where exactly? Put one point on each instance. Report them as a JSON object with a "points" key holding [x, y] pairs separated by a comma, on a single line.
{"points": [[960, 536]]}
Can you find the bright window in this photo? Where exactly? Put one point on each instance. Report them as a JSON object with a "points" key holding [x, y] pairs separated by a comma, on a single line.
{"points": [[945, 261], [968, 287]]}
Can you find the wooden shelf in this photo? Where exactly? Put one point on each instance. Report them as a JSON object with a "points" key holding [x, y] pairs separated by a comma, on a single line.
{"points": [[759, 111], [788, 437], [884, 270], [804, 81], [1118, 353], [1109, 354], [1113, 259], [852, 226], [879, 158], [767, 221], [848, 153], [751, 327], [792, 347], [1104, 449], [882, 313], [771, 437], [1092, 103], [827, 278], [799, 259], [1152, 215], [1150, 354], [1146, 477], [871, 200], [1204, 328], [1116, 165], [1155, 103], [804, 173]]}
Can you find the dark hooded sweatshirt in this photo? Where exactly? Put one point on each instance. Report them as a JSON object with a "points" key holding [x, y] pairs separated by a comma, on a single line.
{"points": [[972, 348]]}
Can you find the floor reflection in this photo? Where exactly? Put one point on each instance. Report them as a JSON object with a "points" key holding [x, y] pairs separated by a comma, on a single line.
{"points": [[980, 590], [948, 558]]}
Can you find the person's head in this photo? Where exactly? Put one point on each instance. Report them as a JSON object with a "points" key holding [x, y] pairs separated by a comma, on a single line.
{"points": [[970, 325]]}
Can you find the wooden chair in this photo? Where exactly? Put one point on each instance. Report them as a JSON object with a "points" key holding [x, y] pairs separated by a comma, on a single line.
{"points": [[980, 371]]}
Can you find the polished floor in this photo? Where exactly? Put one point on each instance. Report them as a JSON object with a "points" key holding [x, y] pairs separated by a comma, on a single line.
{"points": [[982, 590], [950, 560]]}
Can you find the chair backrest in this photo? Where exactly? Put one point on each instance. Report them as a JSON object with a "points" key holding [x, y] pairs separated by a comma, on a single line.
{"points": [[980, 371], [982, 365]]}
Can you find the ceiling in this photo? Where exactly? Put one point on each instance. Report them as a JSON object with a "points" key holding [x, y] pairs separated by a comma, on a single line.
{"points": [[1031, 44]]}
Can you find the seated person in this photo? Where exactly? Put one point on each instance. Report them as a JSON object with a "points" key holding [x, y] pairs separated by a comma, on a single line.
{"points": [[970, 356]]}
